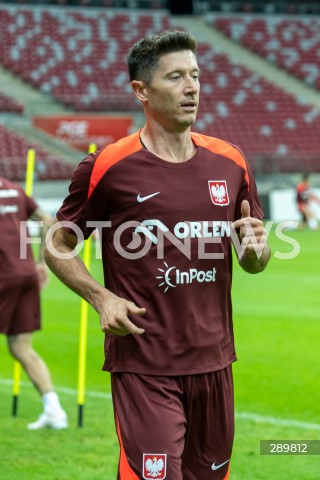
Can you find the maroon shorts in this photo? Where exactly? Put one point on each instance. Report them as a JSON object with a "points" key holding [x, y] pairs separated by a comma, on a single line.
{"points": [[19, 305], [174, 428]]}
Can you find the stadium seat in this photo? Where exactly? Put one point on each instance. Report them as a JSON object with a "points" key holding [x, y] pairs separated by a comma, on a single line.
{"points": [[292, 43], [8, 104], [78, 56], [13, 155]]}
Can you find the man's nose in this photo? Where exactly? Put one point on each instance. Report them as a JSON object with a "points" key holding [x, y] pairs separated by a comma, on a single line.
{"points": [[191, 85]]}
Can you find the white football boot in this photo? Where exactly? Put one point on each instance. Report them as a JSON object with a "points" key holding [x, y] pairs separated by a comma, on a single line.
{"points": [[57, 420]]}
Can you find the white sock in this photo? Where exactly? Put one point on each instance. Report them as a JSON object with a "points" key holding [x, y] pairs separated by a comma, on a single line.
{"points": [[51, 402]]}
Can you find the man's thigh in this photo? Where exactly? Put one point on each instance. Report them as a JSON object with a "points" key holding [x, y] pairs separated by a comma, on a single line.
{"points": [[26, 314], [151, 426], [177, 428], [210, 420], [9, 295], [19, 305]]}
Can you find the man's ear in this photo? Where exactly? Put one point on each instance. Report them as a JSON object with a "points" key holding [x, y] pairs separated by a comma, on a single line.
{"points": [[140, 90]]}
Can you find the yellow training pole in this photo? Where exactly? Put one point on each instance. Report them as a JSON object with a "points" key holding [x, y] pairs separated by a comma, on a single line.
{"points": [[31, 159], [83, 330], [17, 366], [83, 340]]}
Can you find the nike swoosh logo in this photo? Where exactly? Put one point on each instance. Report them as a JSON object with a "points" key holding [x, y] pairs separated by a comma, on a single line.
{"points": [[216, 467], [143, 199]]}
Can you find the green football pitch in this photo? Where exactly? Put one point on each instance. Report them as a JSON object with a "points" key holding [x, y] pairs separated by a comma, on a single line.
{"points": [[277, 387]]}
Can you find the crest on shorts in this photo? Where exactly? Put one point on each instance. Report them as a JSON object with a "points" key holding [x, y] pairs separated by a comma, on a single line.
{"points": [[219, 192], [154, 466]]}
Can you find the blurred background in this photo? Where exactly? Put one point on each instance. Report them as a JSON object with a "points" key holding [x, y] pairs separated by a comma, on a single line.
{"points": [[64, 84]]}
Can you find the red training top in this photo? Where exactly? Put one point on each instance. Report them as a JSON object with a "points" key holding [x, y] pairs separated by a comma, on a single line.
{"points": [[15, 207], [188, 320]]}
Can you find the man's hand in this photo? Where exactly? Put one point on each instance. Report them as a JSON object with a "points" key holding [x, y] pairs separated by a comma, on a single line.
{"points": [[252, 231], [254, 253], [114, 311], [114, 316]]}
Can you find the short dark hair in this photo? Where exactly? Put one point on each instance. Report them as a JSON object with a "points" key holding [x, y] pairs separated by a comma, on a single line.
{"points": [[144, 55]]}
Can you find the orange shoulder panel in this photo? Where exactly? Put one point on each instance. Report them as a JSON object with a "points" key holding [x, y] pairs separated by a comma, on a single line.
{"points": [[223, 148], [112, 154]]}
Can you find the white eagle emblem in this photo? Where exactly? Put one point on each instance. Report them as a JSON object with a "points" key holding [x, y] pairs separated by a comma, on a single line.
{"points": [[218, 192], [154, 466]]}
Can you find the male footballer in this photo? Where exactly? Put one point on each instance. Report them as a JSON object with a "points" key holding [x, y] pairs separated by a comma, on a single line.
{"points": [[169, 204]]}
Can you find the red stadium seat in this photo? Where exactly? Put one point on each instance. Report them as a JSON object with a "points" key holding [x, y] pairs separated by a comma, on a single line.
{"points": [[8, 104], [13, 154], [292, 44]]}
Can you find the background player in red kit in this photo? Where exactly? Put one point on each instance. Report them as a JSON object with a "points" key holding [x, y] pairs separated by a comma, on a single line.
{"points": [[20, 283], [166, 312], [304, 197]]}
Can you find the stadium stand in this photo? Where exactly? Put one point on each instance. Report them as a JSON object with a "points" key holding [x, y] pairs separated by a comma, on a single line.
{"points": [[8, 104], [290, 43], [13, 154], [292, 7], [78, 56], [240, 106]]}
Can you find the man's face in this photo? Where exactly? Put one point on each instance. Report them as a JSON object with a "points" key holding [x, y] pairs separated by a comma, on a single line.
{"points": [[173, 94]]}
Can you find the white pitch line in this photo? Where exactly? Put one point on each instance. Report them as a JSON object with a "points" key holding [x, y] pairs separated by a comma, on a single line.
{"points": [[66, 390], [286, 422]]}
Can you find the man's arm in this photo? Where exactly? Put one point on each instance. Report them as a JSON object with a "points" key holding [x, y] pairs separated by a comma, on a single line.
{"points": [[254, 252], [114, 311], [41, 215]]}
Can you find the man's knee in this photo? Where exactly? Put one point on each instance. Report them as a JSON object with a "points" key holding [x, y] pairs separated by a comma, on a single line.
{"points": [[20, 347]]}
